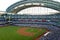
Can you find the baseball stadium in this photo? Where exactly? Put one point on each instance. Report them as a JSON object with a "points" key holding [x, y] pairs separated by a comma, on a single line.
{"points": [[17, 24]]}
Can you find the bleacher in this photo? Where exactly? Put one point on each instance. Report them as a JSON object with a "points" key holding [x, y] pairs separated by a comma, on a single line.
{"points": [[52, 36], [2, 21]]}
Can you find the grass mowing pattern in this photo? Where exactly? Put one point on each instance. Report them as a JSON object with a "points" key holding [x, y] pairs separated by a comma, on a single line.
{"points": [[9, 33]]}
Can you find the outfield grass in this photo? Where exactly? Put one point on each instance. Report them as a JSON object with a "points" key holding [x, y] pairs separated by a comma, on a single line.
{"points": [[10, 33]]}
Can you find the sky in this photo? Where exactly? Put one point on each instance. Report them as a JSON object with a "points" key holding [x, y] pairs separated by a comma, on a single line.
{"points": [[4, 4]]}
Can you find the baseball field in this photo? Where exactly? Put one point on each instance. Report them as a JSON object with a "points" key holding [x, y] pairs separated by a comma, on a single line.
{"points": [[21, 33]]}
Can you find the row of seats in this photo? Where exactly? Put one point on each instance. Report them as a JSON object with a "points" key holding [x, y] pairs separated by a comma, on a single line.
{"points": [[31, 16], [31, 22]]}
